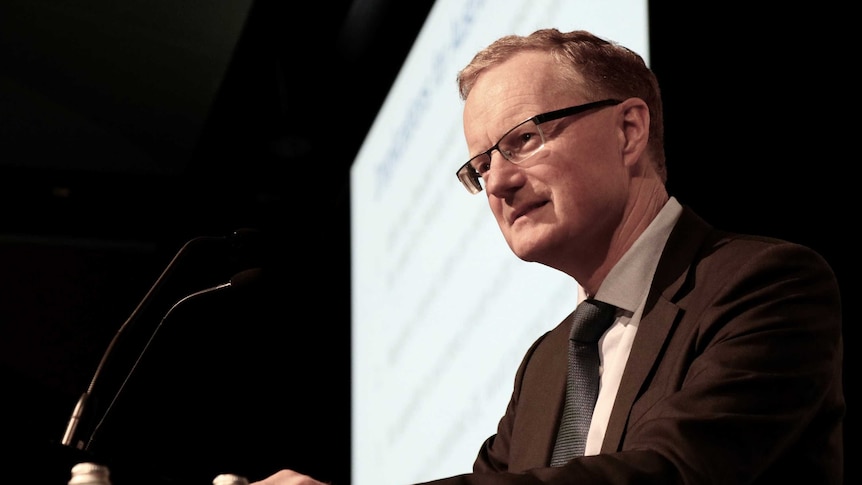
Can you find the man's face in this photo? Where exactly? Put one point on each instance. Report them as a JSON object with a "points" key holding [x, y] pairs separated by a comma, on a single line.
{"points": [[564, 203]]}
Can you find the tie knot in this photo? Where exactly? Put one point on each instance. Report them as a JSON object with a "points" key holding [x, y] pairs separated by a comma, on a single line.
{"points": [[591, 319]]}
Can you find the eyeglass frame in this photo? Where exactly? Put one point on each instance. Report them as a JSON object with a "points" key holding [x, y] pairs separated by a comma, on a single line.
{"points": [[469, 176]]}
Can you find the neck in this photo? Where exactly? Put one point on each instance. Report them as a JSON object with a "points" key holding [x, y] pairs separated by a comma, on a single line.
{"points": [[638, 215]]}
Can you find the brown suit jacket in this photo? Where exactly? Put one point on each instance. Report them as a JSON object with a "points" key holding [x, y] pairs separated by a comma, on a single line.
{"points": [[734, 377]]}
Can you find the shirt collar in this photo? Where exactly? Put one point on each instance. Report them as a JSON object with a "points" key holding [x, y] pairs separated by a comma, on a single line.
{"points": [[629, 280]]}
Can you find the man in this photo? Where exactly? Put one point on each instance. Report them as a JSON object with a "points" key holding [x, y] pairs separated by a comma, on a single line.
{"points": [[723, 362]]}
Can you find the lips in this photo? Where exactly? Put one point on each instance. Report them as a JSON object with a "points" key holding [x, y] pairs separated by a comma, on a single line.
{"points": [[524, 210]]}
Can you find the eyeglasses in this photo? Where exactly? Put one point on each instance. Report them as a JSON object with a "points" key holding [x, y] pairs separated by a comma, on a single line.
{"points": [[518, 144]]}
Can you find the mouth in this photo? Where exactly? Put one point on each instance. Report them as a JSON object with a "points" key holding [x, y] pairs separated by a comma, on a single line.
{"points": [[527, 209]]}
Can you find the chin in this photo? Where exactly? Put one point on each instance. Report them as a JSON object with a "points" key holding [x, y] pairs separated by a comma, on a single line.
{"points": [[537, 247], [530, 253]]}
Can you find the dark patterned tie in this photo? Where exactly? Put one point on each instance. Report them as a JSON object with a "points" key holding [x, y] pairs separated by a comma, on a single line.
{"points": [[590, 321]]}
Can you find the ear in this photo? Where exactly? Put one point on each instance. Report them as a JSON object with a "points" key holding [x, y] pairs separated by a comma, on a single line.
{"points": [[635, 129]]}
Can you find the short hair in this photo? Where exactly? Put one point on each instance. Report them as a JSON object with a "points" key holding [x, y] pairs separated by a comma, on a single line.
{"points": [[610, 70]]}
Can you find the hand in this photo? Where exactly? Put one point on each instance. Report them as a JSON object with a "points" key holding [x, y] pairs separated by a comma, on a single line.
{"points": [[287, 477]]}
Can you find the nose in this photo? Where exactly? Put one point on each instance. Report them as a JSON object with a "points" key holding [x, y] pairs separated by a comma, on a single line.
{"points": [[504, 177]]}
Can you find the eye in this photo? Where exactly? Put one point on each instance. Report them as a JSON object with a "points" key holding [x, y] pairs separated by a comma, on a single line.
{"points": [[481, 163], [527, 141], [522, 139], [484, 166]]}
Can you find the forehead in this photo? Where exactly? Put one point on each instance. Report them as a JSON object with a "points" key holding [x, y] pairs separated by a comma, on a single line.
{"points": [[523, 86]]}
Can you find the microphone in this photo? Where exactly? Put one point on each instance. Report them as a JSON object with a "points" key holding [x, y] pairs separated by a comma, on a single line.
{"points": [[239, 281], [239, 239]]}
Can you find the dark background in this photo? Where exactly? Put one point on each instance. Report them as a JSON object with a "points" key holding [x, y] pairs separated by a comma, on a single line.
{"points": [[760, 134]]}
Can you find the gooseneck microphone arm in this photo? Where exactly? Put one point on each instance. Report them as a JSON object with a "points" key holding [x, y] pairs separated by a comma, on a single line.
{"points": [[81, 406], [239, 280]]}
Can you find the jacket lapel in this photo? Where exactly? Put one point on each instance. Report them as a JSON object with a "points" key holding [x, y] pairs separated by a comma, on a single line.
{"points": [[658, 319], [538, 416]]}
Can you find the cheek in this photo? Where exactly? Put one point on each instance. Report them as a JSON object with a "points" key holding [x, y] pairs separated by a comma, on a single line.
{"points": [[583, 189], [571, 179], [596, 168], [496, 206]]}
